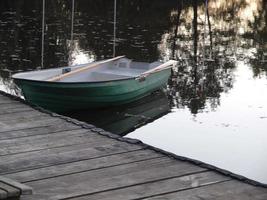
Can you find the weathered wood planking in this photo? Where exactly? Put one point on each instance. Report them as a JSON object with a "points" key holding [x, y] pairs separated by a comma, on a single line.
{"points": [[11, 190], [49, 157], [6, 100], [14, 125], [49, 141], [85, 165], [230, 190], [146, 190], [61, 160], [112, 178], [55, 126], [13, 108], [23, 116]]}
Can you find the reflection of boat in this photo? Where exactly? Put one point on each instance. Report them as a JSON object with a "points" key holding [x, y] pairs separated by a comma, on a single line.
{"points": [[126, 118], [110, 82]]}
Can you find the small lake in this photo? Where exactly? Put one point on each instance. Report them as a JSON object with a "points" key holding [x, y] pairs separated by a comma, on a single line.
{"points": [[214, 108]]}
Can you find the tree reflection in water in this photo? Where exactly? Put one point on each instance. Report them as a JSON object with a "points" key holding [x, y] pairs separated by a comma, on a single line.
{"points": [[206, 65], [147, 31]]}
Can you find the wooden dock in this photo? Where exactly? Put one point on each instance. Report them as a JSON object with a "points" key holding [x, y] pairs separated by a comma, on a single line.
{"points": [[61, 158]]}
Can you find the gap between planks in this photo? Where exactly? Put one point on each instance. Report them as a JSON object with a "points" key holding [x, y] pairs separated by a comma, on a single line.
{"points": [[157, 187]]}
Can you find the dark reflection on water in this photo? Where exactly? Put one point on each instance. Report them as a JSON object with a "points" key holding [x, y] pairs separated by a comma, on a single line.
{"points": [[217, 93], [126, 118]]}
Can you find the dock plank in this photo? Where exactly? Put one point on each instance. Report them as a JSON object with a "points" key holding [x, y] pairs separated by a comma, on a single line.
{"points": [[110, 178], [11, 191], [5, 100], [50, 157], [13, 125], [84, 165], [233, 190], [158, 187], [3, 194], [23, 189], [14, 108], [56, 126], [38, 142], [23, 116]]}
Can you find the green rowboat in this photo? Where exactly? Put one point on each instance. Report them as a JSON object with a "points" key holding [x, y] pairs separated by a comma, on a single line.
{"points": [[104, 83]]}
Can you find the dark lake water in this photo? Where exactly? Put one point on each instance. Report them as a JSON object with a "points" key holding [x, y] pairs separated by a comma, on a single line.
{"points": [[214, 108]]}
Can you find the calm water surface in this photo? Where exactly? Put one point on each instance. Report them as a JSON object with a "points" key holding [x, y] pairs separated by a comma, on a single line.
{"points": [[214, 108]]}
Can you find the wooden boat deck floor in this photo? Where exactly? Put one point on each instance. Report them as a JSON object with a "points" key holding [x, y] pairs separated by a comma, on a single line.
{"points": [[61, 158]]}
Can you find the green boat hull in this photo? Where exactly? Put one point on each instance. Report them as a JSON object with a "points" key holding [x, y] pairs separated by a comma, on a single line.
{"points": [[62, 97]]}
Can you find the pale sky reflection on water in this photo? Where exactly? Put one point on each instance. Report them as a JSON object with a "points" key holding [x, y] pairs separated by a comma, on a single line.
{"points": [[233, 138]]}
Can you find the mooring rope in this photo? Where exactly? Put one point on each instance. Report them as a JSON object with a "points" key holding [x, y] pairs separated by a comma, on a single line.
{"points": [[43, 36], [204, 35], [72, 22], [71, 43], [114, 28]]}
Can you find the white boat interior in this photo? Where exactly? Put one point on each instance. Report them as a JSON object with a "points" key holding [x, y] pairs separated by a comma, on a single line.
{"points": [[122, 68]]}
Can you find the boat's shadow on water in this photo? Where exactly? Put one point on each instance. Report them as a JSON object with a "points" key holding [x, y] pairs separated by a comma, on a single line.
{"points": [[126, 118]]}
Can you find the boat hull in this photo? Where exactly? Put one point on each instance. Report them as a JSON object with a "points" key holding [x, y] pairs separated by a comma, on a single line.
{"points": [[62, 97]]}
